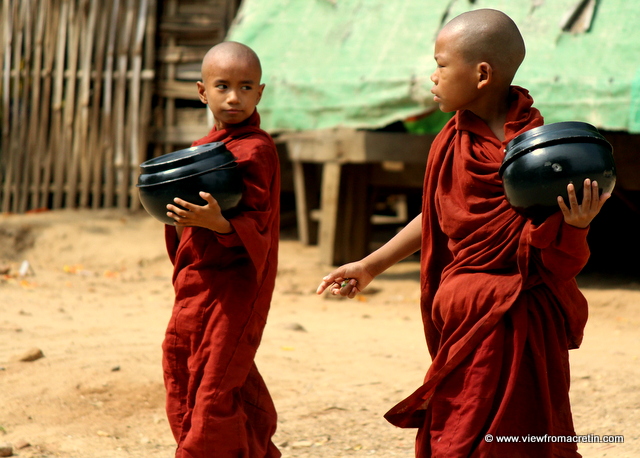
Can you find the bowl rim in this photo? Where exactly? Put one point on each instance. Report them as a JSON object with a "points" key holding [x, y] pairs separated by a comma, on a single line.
{"points": [[229, 165], [173, 159], [576, 135]]}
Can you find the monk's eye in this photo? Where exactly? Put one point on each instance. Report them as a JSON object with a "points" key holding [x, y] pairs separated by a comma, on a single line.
{"points": [[247, 88], [222, 87]]}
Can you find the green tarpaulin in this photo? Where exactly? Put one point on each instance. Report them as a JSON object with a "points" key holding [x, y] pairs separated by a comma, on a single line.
{"points": [[366, 63]]}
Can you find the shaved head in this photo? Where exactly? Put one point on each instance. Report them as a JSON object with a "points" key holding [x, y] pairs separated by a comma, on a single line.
{"points": [[488, 35], [230, 53]]}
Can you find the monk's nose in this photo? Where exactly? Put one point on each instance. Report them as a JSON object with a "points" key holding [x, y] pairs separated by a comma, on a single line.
{"points": [[232, 97]]}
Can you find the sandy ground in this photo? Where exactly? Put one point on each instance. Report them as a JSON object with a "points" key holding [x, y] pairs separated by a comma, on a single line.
{"points": [[96, 298]]}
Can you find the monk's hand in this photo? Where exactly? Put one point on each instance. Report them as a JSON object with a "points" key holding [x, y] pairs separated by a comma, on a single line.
{"points": [[347, 280], [581, 215], [208, 216]]}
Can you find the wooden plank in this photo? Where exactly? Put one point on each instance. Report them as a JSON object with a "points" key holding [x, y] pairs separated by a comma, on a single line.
{"points": [[395, 146], [357, 146], [183, 134], [181, 54], [173, 89], [192, 27]]}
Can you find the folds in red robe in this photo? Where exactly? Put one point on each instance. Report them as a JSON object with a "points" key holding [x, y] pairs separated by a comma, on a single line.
{"points": [[499, 302], [217, 402]]}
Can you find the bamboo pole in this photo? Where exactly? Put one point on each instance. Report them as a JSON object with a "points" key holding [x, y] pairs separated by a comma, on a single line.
{"points": [[134, 103], [76, 101], [170, 107], [57, 138], [121, 161], [35, 148], [68, 188], [95, 149], [107, 120], [45, 137], [82, 152], [13, 171], [23, 151], [9, 13], [147, 87]]}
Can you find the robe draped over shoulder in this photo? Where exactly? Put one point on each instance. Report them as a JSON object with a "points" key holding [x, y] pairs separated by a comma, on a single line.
{"points": [[217, 402], [491, 281]]}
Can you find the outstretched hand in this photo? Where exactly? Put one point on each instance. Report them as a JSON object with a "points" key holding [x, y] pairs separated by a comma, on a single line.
{"points": [[208, 216], [581, 215], [347, 280]]}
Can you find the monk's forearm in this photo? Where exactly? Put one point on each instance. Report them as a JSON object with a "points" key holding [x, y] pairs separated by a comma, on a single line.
{"points": [[404, 244]]}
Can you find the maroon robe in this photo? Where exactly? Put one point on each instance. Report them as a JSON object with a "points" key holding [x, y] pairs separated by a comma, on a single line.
{"points": [[499, 300], [217, 403]]}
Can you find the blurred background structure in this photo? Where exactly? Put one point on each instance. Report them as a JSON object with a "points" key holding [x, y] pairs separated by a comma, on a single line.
{"points": [[91, 88]]}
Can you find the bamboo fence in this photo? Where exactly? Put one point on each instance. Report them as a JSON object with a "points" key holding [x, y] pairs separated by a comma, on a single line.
{"points": [[76, 89]]}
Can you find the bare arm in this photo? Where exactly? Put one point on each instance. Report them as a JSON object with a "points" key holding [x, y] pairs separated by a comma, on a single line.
{"points": [[350, 279]]}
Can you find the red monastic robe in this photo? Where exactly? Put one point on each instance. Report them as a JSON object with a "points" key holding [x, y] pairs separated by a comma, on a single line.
{"points": [[500, 304], [217, 403]]}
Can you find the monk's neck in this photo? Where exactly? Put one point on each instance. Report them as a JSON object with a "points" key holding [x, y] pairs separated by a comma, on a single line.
{"points": [[495, 114]]}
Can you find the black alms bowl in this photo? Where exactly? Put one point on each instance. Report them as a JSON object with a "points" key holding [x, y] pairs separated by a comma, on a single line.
{"points": [[540, 163], [210, 167]]}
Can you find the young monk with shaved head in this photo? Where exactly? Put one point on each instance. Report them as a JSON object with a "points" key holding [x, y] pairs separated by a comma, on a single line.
{"points": [[499, 300], [224, 274]]}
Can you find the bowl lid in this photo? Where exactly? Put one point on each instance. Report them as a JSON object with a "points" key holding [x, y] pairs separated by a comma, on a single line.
{"points": [[184, 157], [184, 172], [550, 134]]}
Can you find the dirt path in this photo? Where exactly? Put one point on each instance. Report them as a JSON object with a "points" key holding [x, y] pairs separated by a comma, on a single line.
{"points": [[97, 308]]}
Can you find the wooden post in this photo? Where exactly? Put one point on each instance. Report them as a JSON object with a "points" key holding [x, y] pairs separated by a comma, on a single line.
{"points": [[331, 174]]}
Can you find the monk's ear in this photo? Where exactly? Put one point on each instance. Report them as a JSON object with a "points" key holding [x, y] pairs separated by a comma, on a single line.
{"points": [[485, 74], [202, 94], [260, 89]]}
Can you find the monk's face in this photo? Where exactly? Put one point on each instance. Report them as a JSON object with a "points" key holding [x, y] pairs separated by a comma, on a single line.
{"points": [[231, 88], [455, 79]]}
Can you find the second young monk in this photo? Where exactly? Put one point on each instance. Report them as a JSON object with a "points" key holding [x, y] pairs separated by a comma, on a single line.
{"points": [[500, 304]]}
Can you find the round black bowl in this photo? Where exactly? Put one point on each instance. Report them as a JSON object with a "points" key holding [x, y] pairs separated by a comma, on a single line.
{"points": [[184, 173], [540, 163]]}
